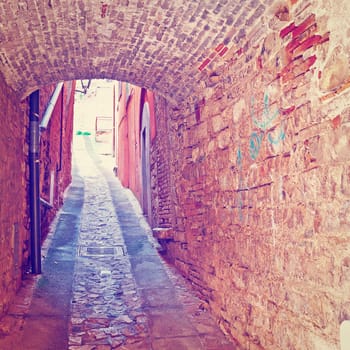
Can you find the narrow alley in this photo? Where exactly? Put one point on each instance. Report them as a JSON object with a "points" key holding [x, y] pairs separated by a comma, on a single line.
{"points": [[104, 285], [228, 164]]}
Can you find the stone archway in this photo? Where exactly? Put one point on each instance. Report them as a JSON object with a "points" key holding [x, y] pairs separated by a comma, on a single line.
{"points": [[164, 46]]}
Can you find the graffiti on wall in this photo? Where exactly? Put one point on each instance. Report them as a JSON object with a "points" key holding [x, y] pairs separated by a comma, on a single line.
{"points": [[239, 203], [263, 124], [255, 144], [242, 199], [267, 117]]}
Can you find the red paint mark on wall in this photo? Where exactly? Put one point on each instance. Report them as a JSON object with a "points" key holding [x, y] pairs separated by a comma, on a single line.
{"points": [[212, 55], [104, 8], [336, 122], [219, 51], [285, 31], [288, 110], [311, 20], [297, 67], [306, 44], [219, 47], [325, 38], [204, 64], [302, 37], [292, 45], [309, 62], [223, 51]]}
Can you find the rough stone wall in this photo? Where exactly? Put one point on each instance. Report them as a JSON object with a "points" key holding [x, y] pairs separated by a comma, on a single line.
{"points": [[55, 150], [261, 171], [14, 177], [161, 187]]}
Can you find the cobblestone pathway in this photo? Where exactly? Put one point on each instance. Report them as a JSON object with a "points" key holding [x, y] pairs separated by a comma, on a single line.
{"points": [[106, 308], [131, 300], [104, 285]]}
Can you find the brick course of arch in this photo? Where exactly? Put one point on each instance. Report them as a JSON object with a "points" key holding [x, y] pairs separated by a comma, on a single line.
{"points": [[158, 44]]}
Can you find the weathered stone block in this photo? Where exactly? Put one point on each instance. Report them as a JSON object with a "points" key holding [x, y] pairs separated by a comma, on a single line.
{"points": [[336, 70]]}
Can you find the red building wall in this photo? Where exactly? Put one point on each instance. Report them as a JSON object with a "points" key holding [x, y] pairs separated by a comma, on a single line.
{"points": [[55, 150], [14, 180], [123, 137], [131, 101], [14, 177]]}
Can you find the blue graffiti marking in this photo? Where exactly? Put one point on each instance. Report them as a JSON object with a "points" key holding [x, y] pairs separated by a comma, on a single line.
{"points": [[242, 200], [239, 202], [239, 157], [240, 206], [267, 117], [281, 136], [255, 144]]}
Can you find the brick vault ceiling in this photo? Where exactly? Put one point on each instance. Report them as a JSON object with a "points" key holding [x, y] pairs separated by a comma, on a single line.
{"points": [[163, 45]]}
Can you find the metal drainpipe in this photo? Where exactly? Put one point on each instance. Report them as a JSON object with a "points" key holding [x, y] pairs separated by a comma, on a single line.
{"points": [[51, 105], [34, 190], [43, 126]]}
